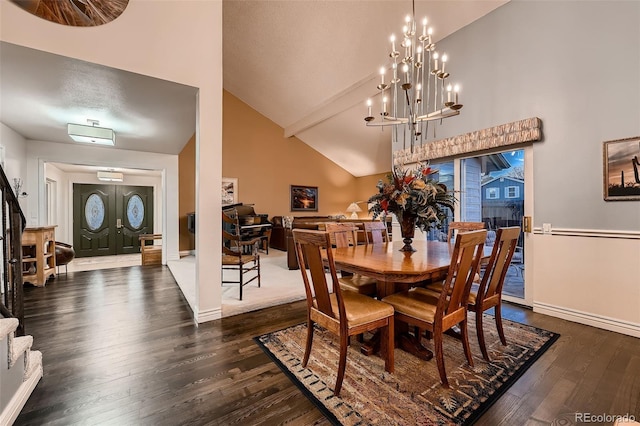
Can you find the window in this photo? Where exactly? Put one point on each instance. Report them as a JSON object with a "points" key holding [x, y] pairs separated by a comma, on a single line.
{"points": [[511, 192], [493, 193], [445, 176]]}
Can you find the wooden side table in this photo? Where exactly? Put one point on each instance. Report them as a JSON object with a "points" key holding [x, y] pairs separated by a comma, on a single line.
{"points": [[38, 255], [151, 253]]}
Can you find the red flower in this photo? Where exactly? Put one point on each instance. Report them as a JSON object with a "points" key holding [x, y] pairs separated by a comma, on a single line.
{"points": [[427, 171], [408, 179], [384, 204]]}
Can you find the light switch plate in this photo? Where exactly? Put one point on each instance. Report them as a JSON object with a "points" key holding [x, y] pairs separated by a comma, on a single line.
{"points": [[546, 228]]}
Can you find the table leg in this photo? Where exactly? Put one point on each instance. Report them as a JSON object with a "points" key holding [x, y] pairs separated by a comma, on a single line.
{"points": [[404, 340], [410, 343]]}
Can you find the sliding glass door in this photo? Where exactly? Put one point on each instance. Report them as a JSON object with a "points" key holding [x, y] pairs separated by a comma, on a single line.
{"points": [[492, 188], [493, 192]]}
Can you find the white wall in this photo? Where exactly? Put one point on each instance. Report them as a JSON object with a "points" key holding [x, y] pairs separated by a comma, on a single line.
{"points": [[589, 279], [179, 41], [15, 152]]}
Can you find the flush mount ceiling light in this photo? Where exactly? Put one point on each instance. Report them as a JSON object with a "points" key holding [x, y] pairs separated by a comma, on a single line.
{"points": [[110, 176], [91, 134]]}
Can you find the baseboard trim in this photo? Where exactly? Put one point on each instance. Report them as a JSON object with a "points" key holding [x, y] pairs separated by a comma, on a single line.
{"points": [[12, 410], [606, 323], [208, 315]]}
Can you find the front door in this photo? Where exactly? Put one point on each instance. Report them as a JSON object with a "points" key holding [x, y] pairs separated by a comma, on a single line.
{"points": [[107, 219]]}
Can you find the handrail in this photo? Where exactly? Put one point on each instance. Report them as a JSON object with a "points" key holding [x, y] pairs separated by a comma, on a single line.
{"points": [[11, 299]]}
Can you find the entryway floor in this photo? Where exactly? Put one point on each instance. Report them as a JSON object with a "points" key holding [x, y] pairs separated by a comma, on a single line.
{"points": [[102, 262]]}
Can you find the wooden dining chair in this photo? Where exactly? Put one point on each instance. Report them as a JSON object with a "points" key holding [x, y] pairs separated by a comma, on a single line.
{"points": [[462, 227], [438, 312], [346, 235], [489, 293], [376, 232], [343, 313], [237, 254]]}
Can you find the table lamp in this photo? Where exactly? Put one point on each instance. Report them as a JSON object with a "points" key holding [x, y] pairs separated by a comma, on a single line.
{"points": [[354, 210]]}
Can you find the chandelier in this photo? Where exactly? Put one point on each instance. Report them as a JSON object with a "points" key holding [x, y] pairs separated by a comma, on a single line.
{"points": [[418, 91]]}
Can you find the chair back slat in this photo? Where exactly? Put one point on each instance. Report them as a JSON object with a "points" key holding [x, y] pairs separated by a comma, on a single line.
{"points": [[463, 227], [342, 234], [310, 246], [231, 235], [465, 261], [496, 269], [376, 232]]}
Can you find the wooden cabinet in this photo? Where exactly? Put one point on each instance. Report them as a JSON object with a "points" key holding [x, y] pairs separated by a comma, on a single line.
{"points": [[38, 255]]}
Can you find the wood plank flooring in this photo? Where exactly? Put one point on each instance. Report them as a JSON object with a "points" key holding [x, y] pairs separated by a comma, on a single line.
{"points": [[120, 347]]}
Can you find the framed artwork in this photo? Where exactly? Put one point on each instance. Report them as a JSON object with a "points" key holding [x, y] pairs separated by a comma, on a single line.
{"points": [[622, 169], [229, 191], [304, 198]]}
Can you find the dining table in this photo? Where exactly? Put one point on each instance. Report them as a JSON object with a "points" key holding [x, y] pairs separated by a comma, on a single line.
{"points": [[396, 271]]}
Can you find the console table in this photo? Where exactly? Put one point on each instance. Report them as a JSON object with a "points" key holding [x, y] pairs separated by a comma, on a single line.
{"points": [[38, 255]]}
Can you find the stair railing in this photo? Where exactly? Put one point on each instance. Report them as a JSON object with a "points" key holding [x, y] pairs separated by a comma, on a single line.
{"points": [[13, 223]]}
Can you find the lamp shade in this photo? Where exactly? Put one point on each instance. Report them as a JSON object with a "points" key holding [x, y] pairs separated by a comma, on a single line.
{"points": [[91, 134], [354, 209]]}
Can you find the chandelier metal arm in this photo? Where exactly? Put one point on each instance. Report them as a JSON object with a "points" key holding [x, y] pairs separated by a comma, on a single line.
{"points": [[419, 61]]}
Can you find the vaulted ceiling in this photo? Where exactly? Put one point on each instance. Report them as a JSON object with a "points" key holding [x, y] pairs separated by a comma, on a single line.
{"points": [[306, 65]]}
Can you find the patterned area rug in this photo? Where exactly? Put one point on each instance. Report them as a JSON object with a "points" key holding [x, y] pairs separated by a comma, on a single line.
{"points": [[413, 394]]}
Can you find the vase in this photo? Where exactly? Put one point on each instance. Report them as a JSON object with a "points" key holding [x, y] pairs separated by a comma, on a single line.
{"points": [[407, 230]]}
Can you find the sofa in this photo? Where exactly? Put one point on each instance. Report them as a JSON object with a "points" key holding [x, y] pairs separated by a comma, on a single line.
{"points": [[282, 238]]}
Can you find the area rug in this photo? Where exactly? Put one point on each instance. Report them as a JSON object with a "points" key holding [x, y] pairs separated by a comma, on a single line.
{"points": [[413, 394]]}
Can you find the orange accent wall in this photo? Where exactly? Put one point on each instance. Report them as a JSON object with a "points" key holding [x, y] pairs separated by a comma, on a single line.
{"points": [[255, 151]]}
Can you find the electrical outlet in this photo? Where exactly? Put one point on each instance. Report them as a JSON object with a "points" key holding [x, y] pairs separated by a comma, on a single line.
{"points": [[546, 228]]}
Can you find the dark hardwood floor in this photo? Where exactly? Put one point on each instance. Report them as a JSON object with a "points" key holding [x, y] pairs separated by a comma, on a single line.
{"points": [[120, 347]]}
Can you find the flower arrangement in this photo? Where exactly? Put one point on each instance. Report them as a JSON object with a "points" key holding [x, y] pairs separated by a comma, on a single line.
{"points": [[413, 193]]}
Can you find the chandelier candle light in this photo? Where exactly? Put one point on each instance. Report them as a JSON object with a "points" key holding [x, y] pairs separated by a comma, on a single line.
{"points": [[419, 95]]}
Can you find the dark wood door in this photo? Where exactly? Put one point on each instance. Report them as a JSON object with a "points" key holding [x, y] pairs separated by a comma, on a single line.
{"points": [[134, 216], [107, 219]]}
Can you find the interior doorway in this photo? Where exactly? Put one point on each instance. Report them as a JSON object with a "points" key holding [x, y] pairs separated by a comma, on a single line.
{"points": [[107, 219]]}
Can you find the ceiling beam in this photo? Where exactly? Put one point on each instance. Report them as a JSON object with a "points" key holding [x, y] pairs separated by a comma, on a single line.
{"points": [[353, 95]]}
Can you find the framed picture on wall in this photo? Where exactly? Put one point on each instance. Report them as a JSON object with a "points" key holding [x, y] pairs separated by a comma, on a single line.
{"points": [[229, 191], [304, 198], [622, 169]]}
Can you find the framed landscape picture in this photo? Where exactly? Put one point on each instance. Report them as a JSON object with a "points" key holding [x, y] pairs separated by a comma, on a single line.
{"points": [[622, 169], [304, 198], [229, 191]]}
